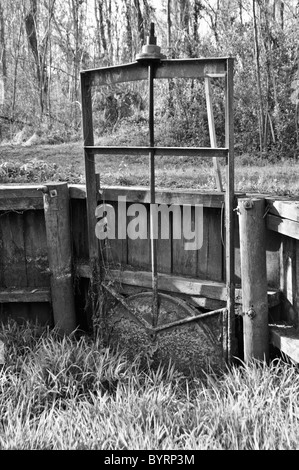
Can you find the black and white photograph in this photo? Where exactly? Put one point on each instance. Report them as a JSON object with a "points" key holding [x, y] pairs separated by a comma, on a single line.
{"points": [[149, 228]]}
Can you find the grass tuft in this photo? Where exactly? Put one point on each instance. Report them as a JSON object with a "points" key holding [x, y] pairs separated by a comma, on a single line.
{"points": [[72, 393]]}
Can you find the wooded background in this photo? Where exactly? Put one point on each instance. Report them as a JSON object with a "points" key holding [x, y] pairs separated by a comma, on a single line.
{"points": [[44, 45]]}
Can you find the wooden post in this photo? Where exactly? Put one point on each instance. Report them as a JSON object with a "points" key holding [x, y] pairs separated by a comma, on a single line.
{"points": [[57, 217], [229, 207], [254, 278]]}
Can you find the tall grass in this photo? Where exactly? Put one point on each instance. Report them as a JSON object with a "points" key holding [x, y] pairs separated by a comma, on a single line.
{"points": [[72, 393]]}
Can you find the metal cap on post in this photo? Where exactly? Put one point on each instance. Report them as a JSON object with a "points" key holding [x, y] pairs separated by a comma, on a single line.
{"points": [[150, 51]]}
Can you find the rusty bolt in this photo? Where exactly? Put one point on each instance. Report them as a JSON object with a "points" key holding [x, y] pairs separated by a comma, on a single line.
{"points": [[251, 313]]}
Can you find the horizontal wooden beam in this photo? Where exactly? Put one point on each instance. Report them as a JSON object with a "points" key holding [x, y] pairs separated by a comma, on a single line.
{"points": [[26, 294], [159, 151], [285, 338], [191, 68], [283, 226], [173, 68], [139, 194], [163, 196], [116, 74], [21, 197], [176, 284], [287, 209]]}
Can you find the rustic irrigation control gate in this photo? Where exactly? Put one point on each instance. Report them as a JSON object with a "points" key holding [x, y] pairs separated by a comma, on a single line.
{"points": [[51, 263], [155, 320]]}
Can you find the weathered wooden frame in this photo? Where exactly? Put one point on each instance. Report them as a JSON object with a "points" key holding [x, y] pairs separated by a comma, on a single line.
{"points": [[206, 68]]}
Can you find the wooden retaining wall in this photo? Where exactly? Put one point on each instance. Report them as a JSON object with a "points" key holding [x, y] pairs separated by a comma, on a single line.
{"points": [[198, 275]]}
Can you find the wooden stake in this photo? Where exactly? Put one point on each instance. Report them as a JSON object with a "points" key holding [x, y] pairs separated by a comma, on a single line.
{"points": [[58, 231], [254, 278]]}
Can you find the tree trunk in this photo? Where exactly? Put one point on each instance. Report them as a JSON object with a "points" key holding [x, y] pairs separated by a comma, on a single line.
{"points": [[129, 40], [140, 22], [3, 44], [168, 14], [100, 31], [39, 54], [258, 73]]}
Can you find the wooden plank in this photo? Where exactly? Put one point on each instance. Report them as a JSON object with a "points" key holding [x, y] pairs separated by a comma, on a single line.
{"points": [[175, 68], [171, 283], [36, 251], [179, 285], [283, 226], [57, 217], [183, 261], [25, 295], [115, 74], [287, 209], [21, 204], [139, 251], [288, 280], [273, 243], [212, 132], [285, 338], [116, 251], [79, 228], [206, 152], [191, 68], [21, 197], [13, 261], [164, 196], [164, 250], [210, 256], [20, 191]]}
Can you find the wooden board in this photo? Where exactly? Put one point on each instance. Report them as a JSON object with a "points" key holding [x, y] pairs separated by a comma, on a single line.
{"points": [[26, 295], [175, 68], [283, 226], [79, 228], [13, 257], [139, 251], [116, 251], [21, 197], [285, 338], [36, 252], [285, 208]]}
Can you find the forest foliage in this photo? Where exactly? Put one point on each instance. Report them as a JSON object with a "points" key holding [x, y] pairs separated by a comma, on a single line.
{"points": [[45, 44]]}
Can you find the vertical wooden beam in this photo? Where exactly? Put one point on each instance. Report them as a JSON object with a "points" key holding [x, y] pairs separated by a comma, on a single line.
{"points": [[58, 231], [229, 207], [91, 181], [212, 132], [90, 175], [254, 278]]}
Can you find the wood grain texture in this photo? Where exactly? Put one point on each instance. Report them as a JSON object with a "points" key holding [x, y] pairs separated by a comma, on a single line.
{"points": [[57, 218]]}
